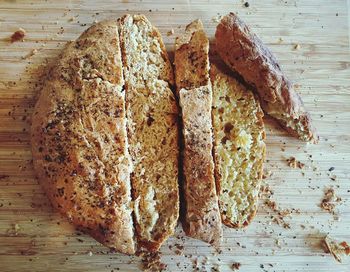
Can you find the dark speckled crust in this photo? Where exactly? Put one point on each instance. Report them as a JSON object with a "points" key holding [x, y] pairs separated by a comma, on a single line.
{"points": [[202, 220], [245, 53], [79, 138]]}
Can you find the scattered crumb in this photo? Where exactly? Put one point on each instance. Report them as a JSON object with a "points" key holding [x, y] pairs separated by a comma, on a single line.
{"points": [[246, 4], [18, 35], [266, 174], [279, 215], [4, 176], [293, 163], [280, 40], [297, 86], [16, 228], [90, 253], [329, 200], [30, 54], [152, 261], [71, 19], [297, 46], [235, 266], [216, 19], [13, 231], [333, 177], [338, 250], [179, 249], [170, 32]]}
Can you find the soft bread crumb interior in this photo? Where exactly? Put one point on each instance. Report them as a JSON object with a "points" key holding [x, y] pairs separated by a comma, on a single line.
{"points": [[238, 148], [152, 130]]}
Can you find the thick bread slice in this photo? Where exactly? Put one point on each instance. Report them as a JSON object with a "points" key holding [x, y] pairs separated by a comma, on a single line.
{"points": [[239, 148], [152, 130], [246, 54], [202, 220], [79, 140]]}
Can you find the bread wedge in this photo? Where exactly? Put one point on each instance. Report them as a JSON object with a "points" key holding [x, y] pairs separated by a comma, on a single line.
{"points": [[79, 138], [202, 219], [246, 54], [239, 148], [152, 115]]}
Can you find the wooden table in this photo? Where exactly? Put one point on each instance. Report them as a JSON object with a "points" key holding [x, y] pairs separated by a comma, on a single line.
{"points": [[311, 40]]}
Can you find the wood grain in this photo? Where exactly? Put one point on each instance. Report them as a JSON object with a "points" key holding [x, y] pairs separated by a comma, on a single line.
{"points": [[35, 238]]}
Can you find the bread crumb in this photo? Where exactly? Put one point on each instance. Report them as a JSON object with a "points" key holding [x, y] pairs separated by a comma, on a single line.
{"points": [[151, 261], [297, 46], [170, 32], [279, 215], [18, 35], [216, 19], [329, 200], [30, 54], [266, 174], [338, 250], [235, 266], [293, 163]]}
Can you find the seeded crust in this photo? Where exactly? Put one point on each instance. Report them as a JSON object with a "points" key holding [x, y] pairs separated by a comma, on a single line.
{"points": [[202, 220], [152, 115], [239, 148], [79, 141], [246, 54]]}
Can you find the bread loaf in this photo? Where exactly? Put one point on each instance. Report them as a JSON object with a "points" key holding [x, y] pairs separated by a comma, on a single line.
{"points": [[246, 54], [152, 130], [79, 138], [239, 148], [202, 219]]}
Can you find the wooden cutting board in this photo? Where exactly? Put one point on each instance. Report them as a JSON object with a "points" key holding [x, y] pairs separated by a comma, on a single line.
{"points": [[311, 40]]}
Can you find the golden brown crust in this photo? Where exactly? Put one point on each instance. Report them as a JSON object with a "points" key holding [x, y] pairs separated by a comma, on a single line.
{"points": [[246, 54], [202, 211], [202, 219], [152, 114], [79, 141], [239, 148]]}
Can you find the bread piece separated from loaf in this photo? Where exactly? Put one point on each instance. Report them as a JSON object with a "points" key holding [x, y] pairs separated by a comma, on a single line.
{"points": [[202, 218], [246, 54], [79, 138], [152, 115], [239, 148]]}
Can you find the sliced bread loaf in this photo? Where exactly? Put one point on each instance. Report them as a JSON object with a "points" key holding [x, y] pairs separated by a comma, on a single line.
{"points": [[246, 54], [152, 115], [79, 138], [239, 149], [202, 219]]}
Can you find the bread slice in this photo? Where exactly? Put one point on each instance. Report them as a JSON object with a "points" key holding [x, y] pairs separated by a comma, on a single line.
{"points": [[202, 219], [239, 148], [79, 138], [246, 54], [152, 115]]}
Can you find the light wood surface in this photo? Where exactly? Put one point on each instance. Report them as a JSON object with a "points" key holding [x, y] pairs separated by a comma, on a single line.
{"points": [[33, 237]]}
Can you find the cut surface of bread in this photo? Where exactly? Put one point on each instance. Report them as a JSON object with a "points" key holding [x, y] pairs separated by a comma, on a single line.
{"points": [[79, 138], [202, 218], [246, 54], [239, 149], [152, 115]]}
